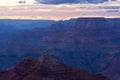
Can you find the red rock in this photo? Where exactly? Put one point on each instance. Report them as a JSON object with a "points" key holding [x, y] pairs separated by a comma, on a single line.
{"points": [[46, 68]]}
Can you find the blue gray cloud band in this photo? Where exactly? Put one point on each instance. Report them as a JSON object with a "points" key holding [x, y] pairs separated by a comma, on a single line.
{"points": [[70, 1]]}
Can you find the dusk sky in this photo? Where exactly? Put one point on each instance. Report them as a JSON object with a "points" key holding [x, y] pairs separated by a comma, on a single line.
{"points": [[58, 9]]}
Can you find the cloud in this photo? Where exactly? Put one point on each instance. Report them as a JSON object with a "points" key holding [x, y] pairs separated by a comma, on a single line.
{"points": [[65, 10], [113, 11], [110, 7], [69, 1], [21, 2], [56, 12]]}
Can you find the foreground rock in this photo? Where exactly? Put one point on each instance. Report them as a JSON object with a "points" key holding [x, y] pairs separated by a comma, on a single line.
{"points": [[46, 68]]}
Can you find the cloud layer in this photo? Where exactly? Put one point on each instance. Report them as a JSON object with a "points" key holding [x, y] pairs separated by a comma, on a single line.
{"points": [[69, 1], [43, 10], [57, 12]]}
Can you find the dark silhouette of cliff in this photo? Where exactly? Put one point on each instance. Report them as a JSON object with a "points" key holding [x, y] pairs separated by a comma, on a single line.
{"points": [[46, 68]]}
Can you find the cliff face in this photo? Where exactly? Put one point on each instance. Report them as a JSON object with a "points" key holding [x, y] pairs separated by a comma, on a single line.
{"points": [[46, 68], [92, 44]]}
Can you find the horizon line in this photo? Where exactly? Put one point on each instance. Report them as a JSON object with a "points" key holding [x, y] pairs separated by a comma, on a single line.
{"points": [[56, 19]]}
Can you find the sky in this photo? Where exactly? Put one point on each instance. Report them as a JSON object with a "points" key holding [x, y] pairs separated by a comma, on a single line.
{"points": [[58, 9]]}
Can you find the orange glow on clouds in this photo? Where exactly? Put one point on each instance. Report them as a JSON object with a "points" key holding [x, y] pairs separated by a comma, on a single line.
{"points": [[31, 17], [57, 12]]}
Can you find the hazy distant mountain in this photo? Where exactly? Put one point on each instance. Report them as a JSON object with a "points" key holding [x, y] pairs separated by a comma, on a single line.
{"points": [[90, 43], [46, 68], [8, 27], [27, 24]]}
